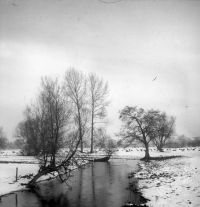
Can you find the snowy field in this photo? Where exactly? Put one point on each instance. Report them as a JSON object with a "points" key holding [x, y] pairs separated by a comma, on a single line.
{"points": [[174, 181], [8, 170]]}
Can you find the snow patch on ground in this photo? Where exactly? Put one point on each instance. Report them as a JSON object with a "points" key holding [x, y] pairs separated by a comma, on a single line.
{"points": [[8, 176], [172, 182]]}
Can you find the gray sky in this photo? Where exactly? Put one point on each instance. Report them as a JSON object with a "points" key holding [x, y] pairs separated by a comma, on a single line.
{"points": [[128, 43]]}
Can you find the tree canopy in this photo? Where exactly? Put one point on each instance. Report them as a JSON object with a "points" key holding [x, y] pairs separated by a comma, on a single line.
{"points": [[144, 126], [165, 130]]}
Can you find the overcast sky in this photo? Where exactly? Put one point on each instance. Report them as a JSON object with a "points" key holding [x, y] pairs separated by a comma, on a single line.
{"points": [[128, 44]]}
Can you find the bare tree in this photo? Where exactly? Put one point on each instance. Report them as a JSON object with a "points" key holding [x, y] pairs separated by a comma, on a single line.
{"points": [[139, 125], [75, 89], [52, 113], [98, 91], [28, 131], [3, 139], [105, 142], [102, 137], [164, 131]]}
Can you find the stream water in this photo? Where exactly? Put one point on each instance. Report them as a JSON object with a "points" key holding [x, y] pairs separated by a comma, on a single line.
{"points": [[101, 184]]}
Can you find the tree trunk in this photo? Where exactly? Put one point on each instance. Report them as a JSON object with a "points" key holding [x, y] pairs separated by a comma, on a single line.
{"points": [[33, 181], [81, 143], [80, 129], [92, 134], [160, 148], [147, 156]]}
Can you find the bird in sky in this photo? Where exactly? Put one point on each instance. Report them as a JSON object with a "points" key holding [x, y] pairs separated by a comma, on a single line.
{"points": [[154, 78]]}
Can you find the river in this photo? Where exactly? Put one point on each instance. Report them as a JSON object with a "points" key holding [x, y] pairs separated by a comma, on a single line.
{"points": [[101, 184]]}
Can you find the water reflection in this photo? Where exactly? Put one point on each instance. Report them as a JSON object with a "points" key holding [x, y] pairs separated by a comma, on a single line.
{"points": [[93, 186], [16, 200], [100, 184]]}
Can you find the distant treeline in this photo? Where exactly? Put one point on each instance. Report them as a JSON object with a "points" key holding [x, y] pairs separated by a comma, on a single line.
{"points": [[16, 144], [183, 141]]}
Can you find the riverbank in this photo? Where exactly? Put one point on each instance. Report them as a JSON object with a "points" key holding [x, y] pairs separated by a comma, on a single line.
{"points": [[10, 160], [8, 181], [175, 181], [98, 184], [160, 181], [16, 171]]}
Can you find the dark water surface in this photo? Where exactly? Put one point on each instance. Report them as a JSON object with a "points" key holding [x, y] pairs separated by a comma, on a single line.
{"points": [[98, 185]]}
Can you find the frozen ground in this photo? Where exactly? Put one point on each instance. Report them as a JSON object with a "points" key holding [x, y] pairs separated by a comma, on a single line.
{"points": [[8, 170], [173, 182], [8, 176]]}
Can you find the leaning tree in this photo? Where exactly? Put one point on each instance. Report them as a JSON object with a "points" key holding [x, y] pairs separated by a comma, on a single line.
{"points": [[55, 132], [140, 125]]}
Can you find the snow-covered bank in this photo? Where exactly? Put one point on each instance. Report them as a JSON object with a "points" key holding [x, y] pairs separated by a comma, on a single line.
{"points": [[8, 176], [26, 165], [8, 170], [173, 182]]}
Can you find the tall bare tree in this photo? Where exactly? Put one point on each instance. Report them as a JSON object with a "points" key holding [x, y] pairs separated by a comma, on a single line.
{"points": [[75, 89], [98, 91], [165, 130], [53, 109], [139, 125]]}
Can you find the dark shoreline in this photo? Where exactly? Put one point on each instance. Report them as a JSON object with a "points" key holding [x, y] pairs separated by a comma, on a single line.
{"points": [[161, 158]]}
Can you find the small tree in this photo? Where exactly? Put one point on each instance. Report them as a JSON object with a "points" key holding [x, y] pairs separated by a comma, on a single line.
{"points": [[105, 142], [97, 92], [164, 131], [139, 125], [28, 130], [3, 139]]}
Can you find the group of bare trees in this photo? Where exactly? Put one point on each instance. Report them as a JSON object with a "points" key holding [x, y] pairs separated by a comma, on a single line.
{"points": [[146, 126], [88, 96], [80, 99], [66, 113], [62, 116]]}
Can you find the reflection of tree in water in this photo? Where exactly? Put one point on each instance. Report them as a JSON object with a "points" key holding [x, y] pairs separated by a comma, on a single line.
{"points": [[80, 187], [105, 169], [110, 172], [93, 186], [60, 200], [16, 200]]}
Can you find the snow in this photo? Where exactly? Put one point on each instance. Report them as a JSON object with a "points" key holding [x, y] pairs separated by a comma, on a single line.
{"points": [[26, 165], [8, 176], [174, 181]]}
